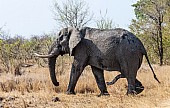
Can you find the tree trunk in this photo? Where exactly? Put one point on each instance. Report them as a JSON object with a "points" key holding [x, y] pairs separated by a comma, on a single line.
{"points": [[161, 41]]}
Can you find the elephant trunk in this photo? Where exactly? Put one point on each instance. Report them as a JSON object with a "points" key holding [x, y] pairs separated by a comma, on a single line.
{"points": [[52, 55], [51, 63], [55, 51]]}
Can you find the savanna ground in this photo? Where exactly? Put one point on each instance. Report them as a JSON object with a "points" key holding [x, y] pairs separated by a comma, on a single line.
{"points": [[34, 89]]}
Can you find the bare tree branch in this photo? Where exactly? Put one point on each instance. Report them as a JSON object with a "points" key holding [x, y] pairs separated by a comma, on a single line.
{"points": [[72, 13]]}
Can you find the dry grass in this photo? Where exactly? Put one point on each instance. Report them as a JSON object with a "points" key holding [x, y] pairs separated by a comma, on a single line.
{"points": [[34, 89]]}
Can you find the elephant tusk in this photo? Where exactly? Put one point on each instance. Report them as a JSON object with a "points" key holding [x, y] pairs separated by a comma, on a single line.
{"points": [[43, 56]]}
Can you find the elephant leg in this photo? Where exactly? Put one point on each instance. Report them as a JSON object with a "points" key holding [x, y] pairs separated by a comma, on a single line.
{"points": [[129, 69], [76, 71], [130, 75], [138, 86], [115, 79], [99, 76], [131, 86]]}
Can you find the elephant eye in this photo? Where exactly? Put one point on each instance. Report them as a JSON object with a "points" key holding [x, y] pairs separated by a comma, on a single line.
{"points": [[61, 38]]}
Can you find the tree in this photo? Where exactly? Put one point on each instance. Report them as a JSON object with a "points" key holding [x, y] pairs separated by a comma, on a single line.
{"points": [[104, 22], [16, 51], [73, 13], [151, 21]]}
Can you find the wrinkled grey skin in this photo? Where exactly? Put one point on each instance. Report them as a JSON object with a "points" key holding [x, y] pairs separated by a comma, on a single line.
{"points": [[111, 50]]}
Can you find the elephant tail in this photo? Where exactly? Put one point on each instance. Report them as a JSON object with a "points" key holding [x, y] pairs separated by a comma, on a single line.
{"points": [[151, 68]]}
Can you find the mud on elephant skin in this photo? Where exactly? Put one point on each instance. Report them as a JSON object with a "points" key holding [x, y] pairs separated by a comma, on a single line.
{"points": [[109, 49]]}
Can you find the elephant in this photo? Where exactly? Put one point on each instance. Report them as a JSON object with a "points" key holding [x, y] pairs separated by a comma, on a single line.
{"points": [[108, 49]]}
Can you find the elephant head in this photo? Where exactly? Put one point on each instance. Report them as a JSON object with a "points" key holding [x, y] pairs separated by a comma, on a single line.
{"points": [[66, 41]]}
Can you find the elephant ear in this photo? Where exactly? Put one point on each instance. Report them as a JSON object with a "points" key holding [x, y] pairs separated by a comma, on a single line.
{"points": [[75, 38]]}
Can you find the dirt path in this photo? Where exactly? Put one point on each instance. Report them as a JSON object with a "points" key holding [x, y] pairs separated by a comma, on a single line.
{"points": [[45, 100], [165, 104]]}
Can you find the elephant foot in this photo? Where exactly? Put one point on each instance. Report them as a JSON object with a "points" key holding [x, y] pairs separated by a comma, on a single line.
{"points": [[138, 87], [136, 91], [103, 94], [131, 92], [70, 93]]}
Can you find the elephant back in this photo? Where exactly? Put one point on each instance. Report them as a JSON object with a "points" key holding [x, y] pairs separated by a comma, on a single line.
{"points": [[113, 38]]}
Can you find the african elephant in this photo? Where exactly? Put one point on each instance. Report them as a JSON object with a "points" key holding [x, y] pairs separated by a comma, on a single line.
{"points": [[109, 49]]}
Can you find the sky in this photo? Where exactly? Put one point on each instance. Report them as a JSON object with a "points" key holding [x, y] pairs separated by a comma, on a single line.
{"points": [[35, 17]]}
